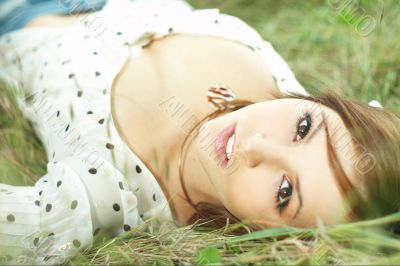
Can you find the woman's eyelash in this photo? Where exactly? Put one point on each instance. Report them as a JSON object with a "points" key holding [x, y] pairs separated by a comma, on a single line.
{"points": [[303, 126], [283, 194]]}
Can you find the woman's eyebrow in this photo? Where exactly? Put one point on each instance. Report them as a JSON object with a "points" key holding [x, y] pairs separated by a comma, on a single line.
{"points": [[317, 129], [300, 199]]}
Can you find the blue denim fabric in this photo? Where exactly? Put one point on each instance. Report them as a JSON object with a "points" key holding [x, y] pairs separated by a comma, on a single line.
{"points": [[15, 14]]}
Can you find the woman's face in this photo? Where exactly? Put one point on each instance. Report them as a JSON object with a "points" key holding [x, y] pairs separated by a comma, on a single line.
{"points": [[278, 173]]}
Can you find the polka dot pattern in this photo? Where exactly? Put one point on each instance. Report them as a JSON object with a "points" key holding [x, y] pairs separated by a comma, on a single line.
{"points": [[74, 204], [36, 241], [48, 207], [76, 243], [116, 207], [10, 218], [138, 169], [109, 146], [93, 171]]}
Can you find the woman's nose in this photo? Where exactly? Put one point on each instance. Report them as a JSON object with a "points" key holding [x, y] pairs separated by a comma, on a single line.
{"points": [[258, 149]]}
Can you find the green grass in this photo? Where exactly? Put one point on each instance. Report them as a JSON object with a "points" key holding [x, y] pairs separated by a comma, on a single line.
{"points": [[325, 51]]}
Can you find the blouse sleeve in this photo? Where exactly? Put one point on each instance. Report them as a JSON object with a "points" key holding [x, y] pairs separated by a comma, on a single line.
{"points": [[64, 213], [47, 223]]}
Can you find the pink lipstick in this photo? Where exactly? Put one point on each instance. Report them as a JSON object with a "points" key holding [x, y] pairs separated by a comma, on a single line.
{"points": [[221, 144]]}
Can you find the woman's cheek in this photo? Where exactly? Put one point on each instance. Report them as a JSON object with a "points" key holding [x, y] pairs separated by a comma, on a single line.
{"points": [[246, 199]]}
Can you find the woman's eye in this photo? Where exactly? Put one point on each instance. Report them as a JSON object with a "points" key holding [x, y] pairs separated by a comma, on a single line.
{"points": [[303, 127], [284, 194]]}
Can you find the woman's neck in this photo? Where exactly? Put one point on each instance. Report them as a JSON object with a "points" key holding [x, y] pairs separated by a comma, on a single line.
{"points": [[198, 186]]}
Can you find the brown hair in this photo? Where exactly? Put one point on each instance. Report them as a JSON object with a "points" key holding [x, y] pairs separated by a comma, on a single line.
{"points": [[376, 135]]}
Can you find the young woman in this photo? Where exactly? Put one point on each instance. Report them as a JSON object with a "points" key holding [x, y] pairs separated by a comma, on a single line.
{"points": [[151, 110]]}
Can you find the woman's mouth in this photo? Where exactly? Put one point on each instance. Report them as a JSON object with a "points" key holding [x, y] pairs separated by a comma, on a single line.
{"points": [[224, 144]]}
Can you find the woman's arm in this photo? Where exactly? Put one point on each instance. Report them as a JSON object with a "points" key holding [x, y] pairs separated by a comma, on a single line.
{"points": [[56, 21]]}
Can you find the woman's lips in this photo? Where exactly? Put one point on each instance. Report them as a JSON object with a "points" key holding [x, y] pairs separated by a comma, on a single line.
{"points": [[221, 142]]}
